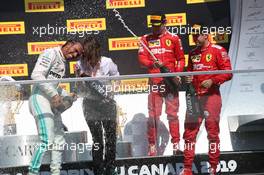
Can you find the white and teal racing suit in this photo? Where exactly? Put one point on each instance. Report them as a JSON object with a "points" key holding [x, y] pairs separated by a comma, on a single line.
{"points": [[50, 65]]}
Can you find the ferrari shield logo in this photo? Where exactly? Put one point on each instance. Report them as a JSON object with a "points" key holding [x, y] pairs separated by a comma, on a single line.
{"points": [[168, 42], [208, 57]]}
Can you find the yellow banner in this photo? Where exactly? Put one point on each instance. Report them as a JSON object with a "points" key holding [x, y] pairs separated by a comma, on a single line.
{"points": [[14, 70], [200, 1], [111, 4], [123, 43], [93, 24], [39, 47], [214, 38], [175, 19], [15, 27], [72, 65], [186, 59], [44, 5]]}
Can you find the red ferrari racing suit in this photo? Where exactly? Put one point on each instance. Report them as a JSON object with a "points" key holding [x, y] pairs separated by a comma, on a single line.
{"points": [[167, 48], [211, 58]]}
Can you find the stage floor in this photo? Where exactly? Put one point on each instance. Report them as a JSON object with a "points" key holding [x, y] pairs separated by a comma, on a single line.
{"points": [[247, 162]]}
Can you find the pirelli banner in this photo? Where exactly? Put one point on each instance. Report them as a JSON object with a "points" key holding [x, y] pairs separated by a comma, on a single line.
{"points": [[28, 27]]}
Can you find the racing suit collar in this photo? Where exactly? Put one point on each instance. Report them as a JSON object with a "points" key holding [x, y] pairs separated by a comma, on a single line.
{"points": [[61, 54], [164, 33], [161, 35], [206, 47]]}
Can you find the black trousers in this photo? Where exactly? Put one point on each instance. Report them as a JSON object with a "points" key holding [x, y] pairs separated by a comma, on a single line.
{"points": [[101, 119]]}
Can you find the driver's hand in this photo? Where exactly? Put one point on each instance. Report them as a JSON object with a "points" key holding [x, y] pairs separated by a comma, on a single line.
{"points": [[56, 101], [188, 79], [158, 64]]}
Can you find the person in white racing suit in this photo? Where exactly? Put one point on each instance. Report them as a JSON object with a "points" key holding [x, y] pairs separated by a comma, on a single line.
{"points": [[44, 101]]}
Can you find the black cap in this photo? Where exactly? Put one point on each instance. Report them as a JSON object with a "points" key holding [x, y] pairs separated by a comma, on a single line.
{"points": [[157, 19]]}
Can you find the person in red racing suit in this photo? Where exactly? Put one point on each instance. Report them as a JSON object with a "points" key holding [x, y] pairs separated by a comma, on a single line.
{"points": [[205, 57], [167, 48]]}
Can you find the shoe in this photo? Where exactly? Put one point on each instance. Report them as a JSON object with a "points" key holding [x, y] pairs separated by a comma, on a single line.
{"points": [[176, 149], [152, 150], [186, 171], [30, 173]]}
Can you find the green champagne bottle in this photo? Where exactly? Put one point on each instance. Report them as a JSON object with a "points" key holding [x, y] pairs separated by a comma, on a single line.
{"points": [[192, 102], [171, 82]]}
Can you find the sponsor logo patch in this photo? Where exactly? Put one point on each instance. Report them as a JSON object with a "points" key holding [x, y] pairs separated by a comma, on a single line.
{"points": [[208, 57], [154, 43], [196, 58], [168, 42]]}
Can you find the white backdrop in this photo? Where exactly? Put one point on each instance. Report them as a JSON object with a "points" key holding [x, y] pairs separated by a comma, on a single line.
{"points": [[131, 104], [244, 95]]}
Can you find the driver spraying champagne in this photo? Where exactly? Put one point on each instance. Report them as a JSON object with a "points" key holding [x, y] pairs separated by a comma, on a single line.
{"points": [[47, 102], [159, 52]]}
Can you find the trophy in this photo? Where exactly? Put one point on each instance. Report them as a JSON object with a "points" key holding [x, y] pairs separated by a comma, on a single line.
{"points": [[11, 100], [121, 120]]}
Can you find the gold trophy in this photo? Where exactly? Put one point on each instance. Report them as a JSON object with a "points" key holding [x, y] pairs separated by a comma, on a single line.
{"points": [[10, 122], [11, 98], [121, 120]]}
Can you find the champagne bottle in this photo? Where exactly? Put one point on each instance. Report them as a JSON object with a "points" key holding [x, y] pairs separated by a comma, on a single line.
{"points": [[67, 102], [99, 89], [192, 103], [171, 82]]}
